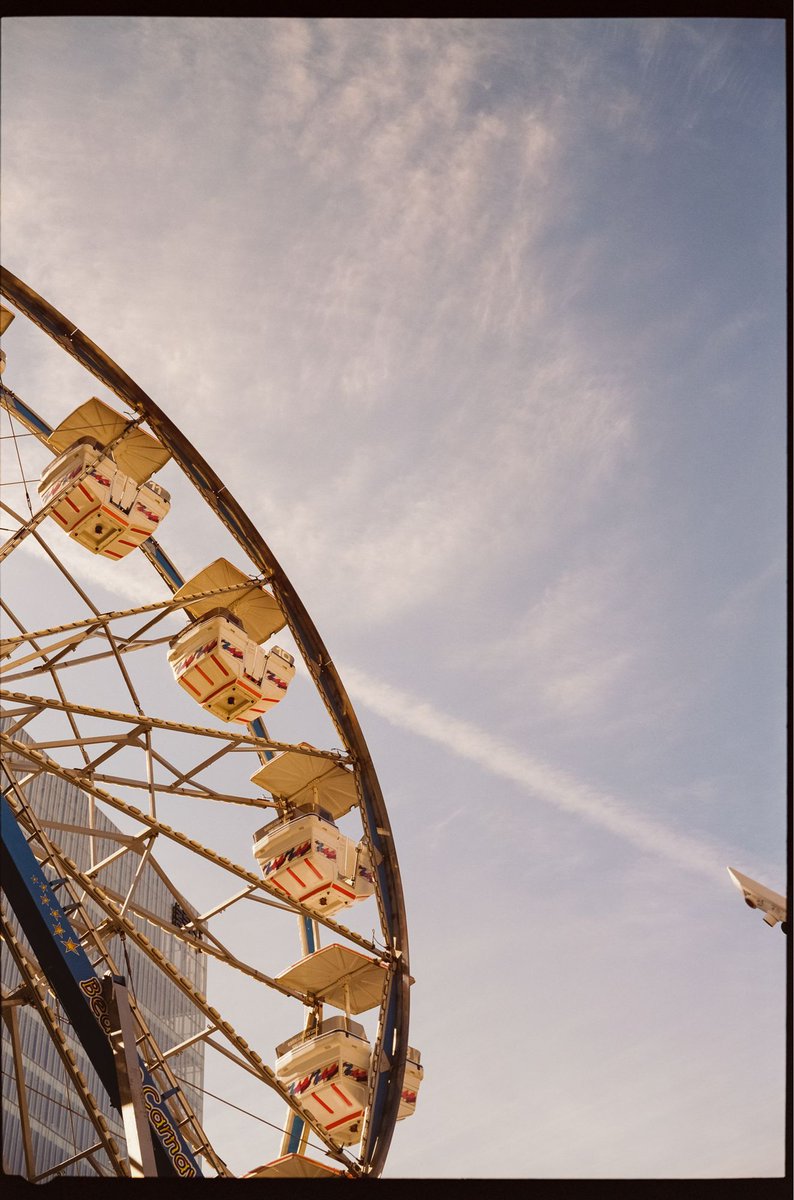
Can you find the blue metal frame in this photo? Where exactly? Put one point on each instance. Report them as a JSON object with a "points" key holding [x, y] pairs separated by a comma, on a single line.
{"points": [[57, 947]]}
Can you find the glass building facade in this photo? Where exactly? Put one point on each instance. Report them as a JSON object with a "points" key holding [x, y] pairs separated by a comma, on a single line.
{"points": [[60, 1128]]}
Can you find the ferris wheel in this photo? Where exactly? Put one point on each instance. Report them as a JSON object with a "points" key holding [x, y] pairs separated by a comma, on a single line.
{"points": [[182, 888]]}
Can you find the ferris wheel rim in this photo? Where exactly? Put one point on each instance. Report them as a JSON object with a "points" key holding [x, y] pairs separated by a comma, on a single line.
{"points": [[394, 1023]]}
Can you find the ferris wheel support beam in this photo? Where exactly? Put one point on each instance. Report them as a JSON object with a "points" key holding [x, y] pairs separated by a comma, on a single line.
{"points": [[35, 703], [28, 754], [137, 1130], [393, 1030], [35, 990], [58, 949], [10, 1018]]}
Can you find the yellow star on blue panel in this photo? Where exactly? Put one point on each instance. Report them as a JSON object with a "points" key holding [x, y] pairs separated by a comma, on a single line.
{"points": [[70, 946], [59, 929]]}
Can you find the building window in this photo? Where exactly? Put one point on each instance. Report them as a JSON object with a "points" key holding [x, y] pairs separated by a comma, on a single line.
{"points": [[180, 918]]}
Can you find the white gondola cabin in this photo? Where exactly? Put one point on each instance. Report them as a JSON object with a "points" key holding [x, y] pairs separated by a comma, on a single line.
{"points": [[105, 501], [352, 982], [414, 1073], [327, 1071], [309, 860], [218, 659]]}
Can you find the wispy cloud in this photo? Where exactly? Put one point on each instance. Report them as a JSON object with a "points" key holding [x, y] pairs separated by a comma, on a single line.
{"points": [[434, 304], [137, 584], [742, 603], [580, 638]]}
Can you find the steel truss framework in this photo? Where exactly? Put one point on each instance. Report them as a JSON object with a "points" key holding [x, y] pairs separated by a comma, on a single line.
{"points": [[134, 751]]}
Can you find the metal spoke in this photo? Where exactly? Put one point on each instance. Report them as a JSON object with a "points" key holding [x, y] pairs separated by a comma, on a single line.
{"points": [[189, 843], [237, 740], [88, 625], [190, 794], [110, 755], [32, 975]]}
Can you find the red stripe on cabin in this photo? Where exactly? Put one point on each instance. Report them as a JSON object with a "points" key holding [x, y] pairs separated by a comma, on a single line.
{"points": [[297, 878], [55, 513], [195, 691], [249, 689], [312, 867], [137, 529], [86, 492], [342, 1096], [344, 891], [309, 895], [122, 542], [71, 503], [204, 675], [115, 515], [281, 885], [110, 554], [325, 1106], [343, 1120], [219, 664], [223, 684]]}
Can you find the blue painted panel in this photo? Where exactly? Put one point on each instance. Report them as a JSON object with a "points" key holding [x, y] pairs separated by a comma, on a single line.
{"points": [[295, 1134], [384, 1077], [166, 566], [259, 731], [308, 925], [27, 414]]}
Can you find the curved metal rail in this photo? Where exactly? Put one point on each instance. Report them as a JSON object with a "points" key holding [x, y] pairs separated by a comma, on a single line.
{"points": [[390, 1051]]}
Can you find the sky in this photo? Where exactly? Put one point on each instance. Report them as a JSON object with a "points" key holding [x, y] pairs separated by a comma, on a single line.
{"points": [[483, 323]]}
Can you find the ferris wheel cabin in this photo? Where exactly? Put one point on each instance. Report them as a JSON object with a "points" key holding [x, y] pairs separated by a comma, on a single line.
{"points": [[328, 1071], [105, 500], [309, 860], [218, 658]]}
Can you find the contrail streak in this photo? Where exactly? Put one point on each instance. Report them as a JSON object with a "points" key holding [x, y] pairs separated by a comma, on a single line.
{"points": [[547, 783]]}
